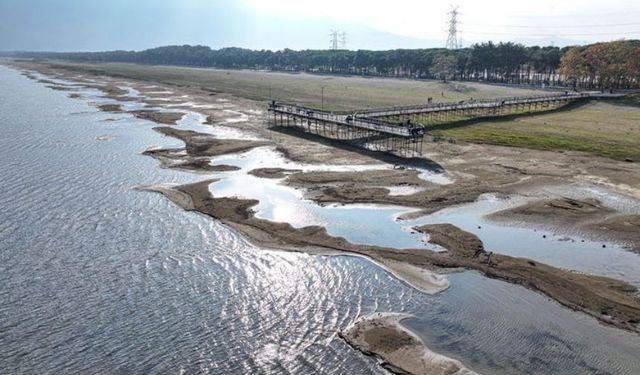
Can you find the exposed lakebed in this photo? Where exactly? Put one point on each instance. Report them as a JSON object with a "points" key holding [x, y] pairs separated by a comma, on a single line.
{"points": [[186, 278]]}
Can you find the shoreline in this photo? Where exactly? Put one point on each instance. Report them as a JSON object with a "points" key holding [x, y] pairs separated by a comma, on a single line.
{"points": [[609, 301], [237, 215]]}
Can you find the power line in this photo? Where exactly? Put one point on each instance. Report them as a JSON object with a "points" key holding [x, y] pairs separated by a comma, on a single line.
{"points": [[555, 27], [552, 35], [583, 15]]}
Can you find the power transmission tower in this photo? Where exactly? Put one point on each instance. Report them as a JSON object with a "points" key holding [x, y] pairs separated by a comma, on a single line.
{"points": [[343, 40], [452, 39], [333, 42]]}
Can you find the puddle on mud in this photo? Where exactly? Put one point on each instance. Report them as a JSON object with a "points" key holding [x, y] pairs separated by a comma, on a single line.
{"points": [[376, 225], [569, 252]]}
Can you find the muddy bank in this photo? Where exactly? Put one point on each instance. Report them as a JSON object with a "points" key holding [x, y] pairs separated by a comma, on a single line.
{"points": [[210, 120], [198, 150], [166, 118], [368, 187], [45, 81], [275, 173], [624, 228], [390, 177], [611, 301], [62, 88], [176, 159], [407, 265], [205, 145], [110, 108], [568, 215], [397, 348], [555, 211]]}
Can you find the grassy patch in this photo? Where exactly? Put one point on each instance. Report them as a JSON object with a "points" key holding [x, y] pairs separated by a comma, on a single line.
{"points": [[600, 128], [633, 100]]}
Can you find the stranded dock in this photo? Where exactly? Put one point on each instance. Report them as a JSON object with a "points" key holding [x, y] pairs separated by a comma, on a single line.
{"points": [[400, 130]]}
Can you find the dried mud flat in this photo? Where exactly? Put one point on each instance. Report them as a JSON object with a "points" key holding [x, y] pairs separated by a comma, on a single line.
{"points": [[474, 169], [198, 150], [166, 118]]}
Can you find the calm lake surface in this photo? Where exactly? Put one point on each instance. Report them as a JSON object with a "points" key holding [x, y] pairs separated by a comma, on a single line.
{"points": [[99, 278]]}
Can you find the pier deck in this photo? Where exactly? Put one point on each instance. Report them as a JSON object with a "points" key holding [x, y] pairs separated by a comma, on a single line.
{"points": [[400, 130]]}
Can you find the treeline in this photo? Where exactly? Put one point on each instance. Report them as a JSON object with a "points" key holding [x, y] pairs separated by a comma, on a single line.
{"points": [[612, 65], [502, 62]]}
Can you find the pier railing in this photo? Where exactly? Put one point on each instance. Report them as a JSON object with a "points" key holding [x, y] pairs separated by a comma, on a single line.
{"points": [[403, 130], [469, 104]]}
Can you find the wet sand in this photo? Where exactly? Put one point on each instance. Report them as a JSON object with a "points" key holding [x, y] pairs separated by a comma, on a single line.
{"points": [[577, 216], [610, 301], [275, 173], [166, 118], [238, 214], [110, 107], [398, 350]]}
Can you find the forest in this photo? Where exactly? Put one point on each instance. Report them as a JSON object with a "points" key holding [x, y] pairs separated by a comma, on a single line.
{"points": [[604, 66]]}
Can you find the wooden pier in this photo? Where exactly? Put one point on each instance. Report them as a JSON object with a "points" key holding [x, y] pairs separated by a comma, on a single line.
{"points": [[400, 130]]}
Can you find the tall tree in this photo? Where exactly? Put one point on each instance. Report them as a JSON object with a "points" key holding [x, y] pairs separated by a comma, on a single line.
{"points": [[573, 65], [443, 67]]}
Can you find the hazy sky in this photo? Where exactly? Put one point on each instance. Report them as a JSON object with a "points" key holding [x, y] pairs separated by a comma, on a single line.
{"points": [[82, 25]]}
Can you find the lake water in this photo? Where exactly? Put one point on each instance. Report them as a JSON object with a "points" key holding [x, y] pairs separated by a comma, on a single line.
{"points": [[100, 278]]}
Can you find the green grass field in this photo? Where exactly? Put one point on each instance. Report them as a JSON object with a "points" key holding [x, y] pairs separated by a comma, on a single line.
{"points": [[603, 128]]}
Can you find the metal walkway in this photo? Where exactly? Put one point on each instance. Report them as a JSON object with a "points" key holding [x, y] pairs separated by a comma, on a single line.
{"points": [[472, 104], [362, 122], [400, 130]]}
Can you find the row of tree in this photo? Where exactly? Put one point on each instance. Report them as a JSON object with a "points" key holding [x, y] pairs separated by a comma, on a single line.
{"points": [[613, 65], [602, 65]]}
